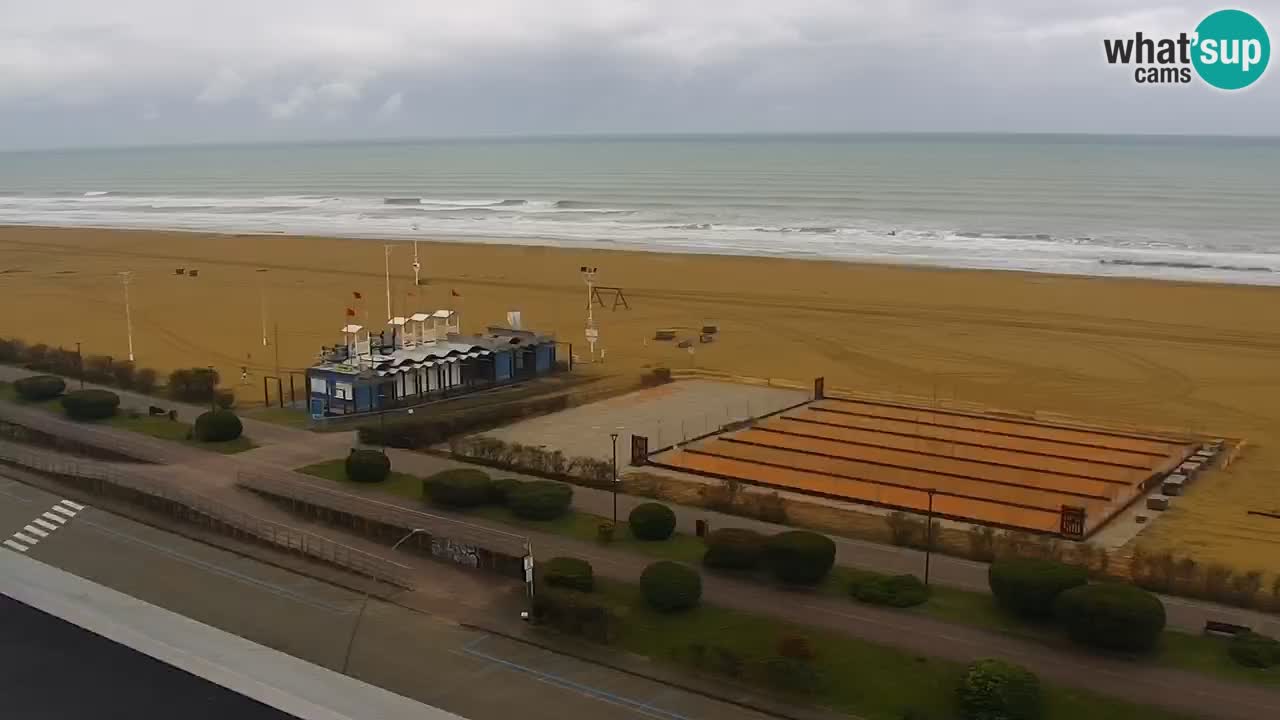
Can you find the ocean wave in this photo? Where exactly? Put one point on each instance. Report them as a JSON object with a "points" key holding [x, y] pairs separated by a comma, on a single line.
{"points": [[1186, 265], [402, 201]]}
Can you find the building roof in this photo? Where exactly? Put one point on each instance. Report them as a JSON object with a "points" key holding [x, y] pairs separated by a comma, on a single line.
{"points": [[448, 350]]}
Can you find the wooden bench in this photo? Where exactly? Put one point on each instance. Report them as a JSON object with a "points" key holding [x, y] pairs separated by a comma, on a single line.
{"points": [[1218, 627]]}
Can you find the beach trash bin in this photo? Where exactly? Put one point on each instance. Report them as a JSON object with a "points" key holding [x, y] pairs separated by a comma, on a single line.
{"points": [[702, 528]]}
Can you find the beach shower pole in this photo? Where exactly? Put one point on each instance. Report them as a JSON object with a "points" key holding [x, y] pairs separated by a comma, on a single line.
{"points": [[126, 277], [928, 541], [386, 250], [262, 304], [417, 266]]}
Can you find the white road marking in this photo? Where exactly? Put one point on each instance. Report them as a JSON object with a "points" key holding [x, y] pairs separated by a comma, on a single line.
{"points": [[73, 505], [36, 531], [64, 511], [55, 518], [45, 524], [16, 545], [26, 538]]}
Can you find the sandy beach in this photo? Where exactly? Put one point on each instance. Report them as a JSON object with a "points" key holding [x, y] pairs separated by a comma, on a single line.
{"points": [[1170, 355]]}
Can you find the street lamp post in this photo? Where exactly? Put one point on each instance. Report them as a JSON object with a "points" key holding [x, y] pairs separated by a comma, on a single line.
{"points": [[364, 603], [614, 436], [928, 535]]}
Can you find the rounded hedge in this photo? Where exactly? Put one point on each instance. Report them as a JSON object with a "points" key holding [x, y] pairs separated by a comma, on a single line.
{"points": [[669, 586], [90, 404], [1253, 650], [39, 387], [997, 690], [500, 490], [540, 499], [734, 549], [461, 488], [800, 557], [367, 466], [569, 572], [1028, 586], [217, 426], [652, 521], [899, 591], [1114, 616]]}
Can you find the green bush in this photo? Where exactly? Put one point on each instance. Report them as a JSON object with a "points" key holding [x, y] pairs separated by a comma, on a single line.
{"points": [[460, 488], [899, 591], [800, 557], [39, 387], [90, 404], [1253, 650], [367, 466], [501, 489], [568, 572], [997, 690], [193, 385], [1114, 616], [540, 500], [652, 521], [1027, 587], [217, 426], [144, 380], [734, 549], [669, 586], [792, 675]]}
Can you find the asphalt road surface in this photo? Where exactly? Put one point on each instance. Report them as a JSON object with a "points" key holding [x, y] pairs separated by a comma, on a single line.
{"points": [[429, 659]]}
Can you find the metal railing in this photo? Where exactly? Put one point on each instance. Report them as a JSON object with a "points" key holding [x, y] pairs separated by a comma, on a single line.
{"points": [[491, 539], [268, 531]]}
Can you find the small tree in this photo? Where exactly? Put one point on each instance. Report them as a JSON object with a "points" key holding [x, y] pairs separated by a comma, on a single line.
{"points": [[800, 557], [652, 521], [997, 690], [367, 466], [193, 385], [1028, 586], [144, 380], [122, 374], [217, 426], [1113, 616], [669, 586], [569, 572]]}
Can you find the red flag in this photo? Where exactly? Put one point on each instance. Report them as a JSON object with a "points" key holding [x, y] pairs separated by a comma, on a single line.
{"points": [[356, 295], [351, 313], [455, 293]]}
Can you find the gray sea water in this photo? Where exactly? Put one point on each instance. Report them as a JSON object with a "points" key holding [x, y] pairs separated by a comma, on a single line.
{"points": [[1167, 207]]}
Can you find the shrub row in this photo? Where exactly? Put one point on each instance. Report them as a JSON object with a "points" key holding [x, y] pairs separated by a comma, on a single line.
{"points": [[590, 471], [576, 613], [1253, 650], [468, 488], [791, 670], [421, 432], [997, 690], [798, 557], [100, 369]]}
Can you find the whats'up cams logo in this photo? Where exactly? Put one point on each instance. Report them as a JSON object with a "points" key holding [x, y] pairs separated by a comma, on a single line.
{"points": [[1228, 50]]}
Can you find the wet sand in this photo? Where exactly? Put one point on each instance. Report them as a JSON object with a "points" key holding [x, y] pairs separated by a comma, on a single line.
{"points": [[1197, 357]]}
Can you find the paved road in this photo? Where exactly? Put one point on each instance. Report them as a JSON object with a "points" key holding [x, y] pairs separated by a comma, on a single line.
{"points": [[52, 670], [423, 657]]}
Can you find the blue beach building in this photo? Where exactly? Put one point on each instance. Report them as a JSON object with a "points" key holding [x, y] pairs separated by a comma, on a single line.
{"points": [[419, 359]]}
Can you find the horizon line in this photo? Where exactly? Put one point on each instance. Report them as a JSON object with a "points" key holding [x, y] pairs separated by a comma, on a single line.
{"points": [[587, 136]]}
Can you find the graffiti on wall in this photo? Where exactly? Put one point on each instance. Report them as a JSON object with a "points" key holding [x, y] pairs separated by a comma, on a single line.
{"points": [[455, 552]]}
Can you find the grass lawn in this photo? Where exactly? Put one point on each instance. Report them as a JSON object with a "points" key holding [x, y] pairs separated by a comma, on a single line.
{"points": [[397, 483], [862, 678], [157, 427]]}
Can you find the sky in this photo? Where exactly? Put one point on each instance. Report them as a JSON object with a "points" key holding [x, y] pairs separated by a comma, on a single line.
{"points": [[87, 72]]}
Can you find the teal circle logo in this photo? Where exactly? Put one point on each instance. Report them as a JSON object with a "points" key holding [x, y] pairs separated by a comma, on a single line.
{"points": [[1231, 49]]}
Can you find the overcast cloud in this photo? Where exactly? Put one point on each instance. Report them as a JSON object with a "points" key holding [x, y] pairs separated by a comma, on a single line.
{"points": [[86, 72]]}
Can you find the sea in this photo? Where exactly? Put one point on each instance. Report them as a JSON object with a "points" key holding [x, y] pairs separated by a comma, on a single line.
{"points": [[1184, 208]]}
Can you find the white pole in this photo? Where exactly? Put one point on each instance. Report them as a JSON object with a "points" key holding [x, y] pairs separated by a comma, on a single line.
{"points": [[417, 267], [387, 263], [262, 304], [125, 277]]}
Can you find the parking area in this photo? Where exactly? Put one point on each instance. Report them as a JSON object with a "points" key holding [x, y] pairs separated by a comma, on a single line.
{"points": [[667, 414]]}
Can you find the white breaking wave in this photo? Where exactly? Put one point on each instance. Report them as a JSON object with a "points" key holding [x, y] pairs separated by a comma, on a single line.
{"points": [[653, 227]]}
